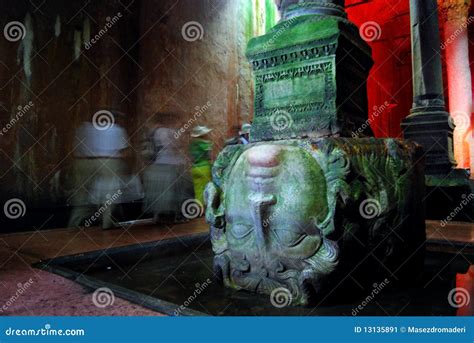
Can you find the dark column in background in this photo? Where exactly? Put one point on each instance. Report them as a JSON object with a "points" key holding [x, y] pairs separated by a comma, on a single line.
{"points": [[428, 123]]}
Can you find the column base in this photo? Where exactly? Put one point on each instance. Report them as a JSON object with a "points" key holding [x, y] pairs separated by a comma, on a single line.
{"points": [[447, 187], [449, 198], [455, 178], [432, 128]]}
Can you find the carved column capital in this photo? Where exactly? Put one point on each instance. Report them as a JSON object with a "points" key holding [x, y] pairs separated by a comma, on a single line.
{"points": [[454, 10]]}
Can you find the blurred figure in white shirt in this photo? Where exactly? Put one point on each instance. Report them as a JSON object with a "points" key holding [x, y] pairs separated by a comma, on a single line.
{"points": [[166, 180], [98, 169]]}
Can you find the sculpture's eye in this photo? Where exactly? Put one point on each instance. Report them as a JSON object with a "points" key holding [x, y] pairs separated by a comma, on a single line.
{"points": [[240, 230], [288, 238]]}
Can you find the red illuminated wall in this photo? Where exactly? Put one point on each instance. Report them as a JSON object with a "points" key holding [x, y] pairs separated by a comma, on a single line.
{"points": [[390, 81], [388, 25], [388, 33]]}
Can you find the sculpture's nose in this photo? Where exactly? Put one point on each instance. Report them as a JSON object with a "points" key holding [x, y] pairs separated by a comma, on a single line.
{"points": [[263, 161]]}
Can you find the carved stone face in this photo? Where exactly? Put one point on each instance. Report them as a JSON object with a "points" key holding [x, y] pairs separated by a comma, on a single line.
{"points": [[284, 214], [275, 195]]}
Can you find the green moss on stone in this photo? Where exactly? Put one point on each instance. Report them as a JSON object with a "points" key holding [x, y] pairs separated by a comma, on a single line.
{"points": [[298, 31]]}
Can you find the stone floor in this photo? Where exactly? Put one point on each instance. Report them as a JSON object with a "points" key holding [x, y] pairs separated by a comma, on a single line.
{"points": [[52, 295]]}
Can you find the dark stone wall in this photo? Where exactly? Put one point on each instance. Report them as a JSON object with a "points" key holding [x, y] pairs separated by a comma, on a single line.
{"points": [[181, 77], [140, 66], [65, 83]]}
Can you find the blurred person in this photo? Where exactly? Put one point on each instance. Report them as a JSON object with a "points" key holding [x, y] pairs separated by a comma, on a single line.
{"points": [[165, 177], [244, 133], [97, 171], [200, 149], [243, 137]]}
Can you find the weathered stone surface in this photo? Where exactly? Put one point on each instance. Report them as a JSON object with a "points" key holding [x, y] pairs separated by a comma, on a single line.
{"points": [[303, 214], [181, 76], [67, 80], [310, 76]]}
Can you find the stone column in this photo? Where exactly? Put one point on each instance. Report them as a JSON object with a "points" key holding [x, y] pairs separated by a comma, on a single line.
{"points": [[319, 7], [454, 16], [428, 123], [304, 58]]}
